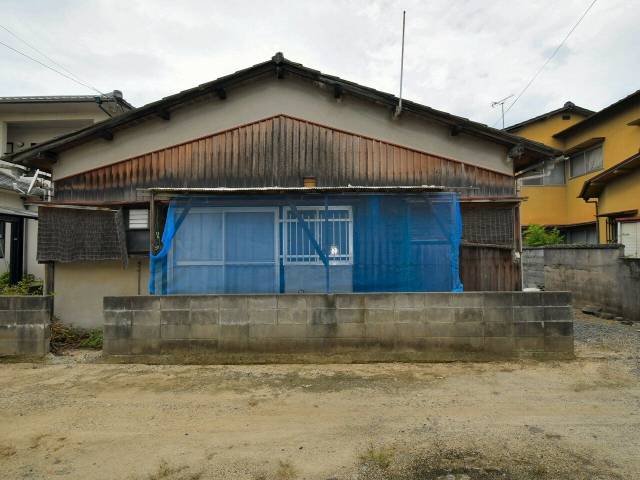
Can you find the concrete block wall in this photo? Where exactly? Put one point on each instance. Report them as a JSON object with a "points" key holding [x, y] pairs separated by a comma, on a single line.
{"points": [[25, 325], [596, 275], [339, 327]]}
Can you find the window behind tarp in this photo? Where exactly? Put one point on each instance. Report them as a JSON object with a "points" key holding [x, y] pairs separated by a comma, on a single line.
{"points": [[80, 234], [309, 243]]}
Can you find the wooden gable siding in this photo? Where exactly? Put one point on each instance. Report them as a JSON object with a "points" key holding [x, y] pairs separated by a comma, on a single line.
{"points": [[279, 151]]}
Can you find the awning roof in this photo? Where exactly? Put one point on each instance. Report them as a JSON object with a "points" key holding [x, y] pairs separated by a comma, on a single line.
{"points": [[18, 212], [593, 187]]}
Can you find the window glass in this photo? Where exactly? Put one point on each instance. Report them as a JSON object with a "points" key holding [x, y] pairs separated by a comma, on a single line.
{"points": [[593, 159], [585, 162], [554, 173], [578, 165]]}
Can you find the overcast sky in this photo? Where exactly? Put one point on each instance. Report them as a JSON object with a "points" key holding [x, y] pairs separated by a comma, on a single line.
{"points": [[460, 55]]}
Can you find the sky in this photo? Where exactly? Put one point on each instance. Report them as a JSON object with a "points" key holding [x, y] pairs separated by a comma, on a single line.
{"points": [[460, 55]]}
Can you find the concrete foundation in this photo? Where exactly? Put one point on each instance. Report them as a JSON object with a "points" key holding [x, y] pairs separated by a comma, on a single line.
{"points": [[339, 327], [25, 325]]}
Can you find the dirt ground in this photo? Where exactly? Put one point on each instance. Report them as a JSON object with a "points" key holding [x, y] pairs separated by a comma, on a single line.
{"points": [[74, 418]]}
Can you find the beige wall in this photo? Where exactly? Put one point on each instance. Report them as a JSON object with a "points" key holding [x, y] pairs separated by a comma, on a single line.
{"points": [[79, 288], [289, 96]]}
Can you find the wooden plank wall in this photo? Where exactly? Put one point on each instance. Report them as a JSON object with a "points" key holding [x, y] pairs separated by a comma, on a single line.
{"points": [[488, 269], [278, 151]]}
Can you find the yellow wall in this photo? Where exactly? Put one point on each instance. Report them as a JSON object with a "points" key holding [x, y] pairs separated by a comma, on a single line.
{"points": [[547, 205]]}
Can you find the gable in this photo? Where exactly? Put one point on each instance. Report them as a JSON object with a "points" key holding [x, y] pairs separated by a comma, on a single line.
{"points": [[278, 151]]}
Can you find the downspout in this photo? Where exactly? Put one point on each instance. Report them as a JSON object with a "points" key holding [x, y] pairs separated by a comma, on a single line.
{"points": [[595, 202]]}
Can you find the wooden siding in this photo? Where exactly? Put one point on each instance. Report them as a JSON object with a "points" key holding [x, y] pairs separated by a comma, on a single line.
{"points": [[279, 151], [488, 269]]}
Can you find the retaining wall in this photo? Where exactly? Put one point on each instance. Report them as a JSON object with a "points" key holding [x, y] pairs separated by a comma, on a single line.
{"points": [[339, 327], [25, 325], [596, 275]]}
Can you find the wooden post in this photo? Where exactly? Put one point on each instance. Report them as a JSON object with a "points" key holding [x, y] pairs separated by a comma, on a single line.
{"points": [[152, 223]]}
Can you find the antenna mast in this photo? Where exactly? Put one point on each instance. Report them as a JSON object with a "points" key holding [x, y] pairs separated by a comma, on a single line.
{"points": [[399, 107], [501, 103]]}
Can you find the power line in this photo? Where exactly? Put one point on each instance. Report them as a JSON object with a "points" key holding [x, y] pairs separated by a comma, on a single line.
{"points": [[51, 60], [553, 54], [51, 68]]}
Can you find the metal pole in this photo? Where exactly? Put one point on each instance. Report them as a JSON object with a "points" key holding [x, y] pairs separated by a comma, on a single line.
{"points": [[399, 107]]}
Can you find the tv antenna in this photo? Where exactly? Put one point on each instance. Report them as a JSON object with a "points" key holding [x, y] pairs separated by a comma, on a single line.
{"points": [[399, 106], [501, 103]]}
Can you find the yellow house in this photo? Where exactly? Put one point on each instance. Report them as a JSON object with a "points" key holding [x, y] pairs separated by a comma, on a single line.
{"points": [[592, 194]]}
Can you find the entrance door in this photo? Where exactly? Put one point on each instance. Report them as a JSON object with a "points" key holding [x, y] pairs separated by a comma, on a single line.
{"points": [[225, 250]]}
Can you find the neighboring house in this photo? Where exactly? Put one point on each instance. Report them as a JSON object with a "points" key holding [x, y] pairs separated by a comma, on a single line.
{"points": [[279, 178], [593, 196], [24, 123]]}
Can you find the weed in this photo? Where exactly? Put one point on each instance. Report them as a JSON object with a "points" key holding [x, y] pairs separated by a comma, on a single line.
{"points": [[285, 471], [29, 285], [380, 458], [66, 336]]}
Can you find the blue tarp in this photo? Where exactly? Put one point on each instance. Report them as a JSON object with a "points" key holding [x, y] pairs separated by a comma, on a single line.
{"points": [[304, 243]]}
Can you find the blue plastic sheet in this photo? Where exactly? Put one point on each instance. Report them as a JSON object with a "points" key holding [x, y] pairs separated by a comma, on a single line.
{"points": [[309, 243]]}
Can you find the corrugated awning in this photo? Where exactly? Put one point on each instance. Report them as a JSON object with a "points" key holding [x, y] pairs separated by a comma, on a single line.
{"points": [[18, 212]]}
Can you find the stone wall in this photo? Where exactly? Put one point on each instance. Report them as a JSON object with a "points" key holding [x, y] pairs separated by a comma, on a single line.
{"points": [[339, 327], [596, 275], [24, 325]]}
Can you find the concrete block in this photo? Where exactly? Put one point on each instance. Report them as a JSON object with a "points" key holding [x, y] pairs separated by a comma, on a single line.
{"points": [[200, 331], [350, 301], [291, 316], [409, 315], [323, 316], [30, 317], [556, 299], [466, 299], [379, 315], [377, 301], [558, 344], [144, 302], [8, 317], [528, 329], [350, 330], [175, 331], [205, 302], [558, 313], [8, 347], [32, 347], [558, 329], [145, 318], [118, 318], [529, 344], [498, 299], [409, 300], [174, 317], [236, 337], [527, 299], [321, 301], [381, 332], [116, 303], [467, 314], [499, 345], [263, 316], [436, 299], [30, 302], [263, 302], [8, 332], [118, 331], [145, 346], [6, 303], [409, 331], [204, 317], [453, 344], [113, 346], [234, 316], [528, 314], [145, 331], [498, 329], [497, 314], [234, 302], [175, 302], [350, 315], [293, 302], [461, 329], [277, 331], [438, 314], [328, 330]]}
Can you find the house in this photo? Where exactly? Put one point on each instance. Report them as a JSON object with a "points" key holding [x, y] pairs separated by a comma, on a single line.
{"points": [[592, 196], [24, 123], [279, 178]]}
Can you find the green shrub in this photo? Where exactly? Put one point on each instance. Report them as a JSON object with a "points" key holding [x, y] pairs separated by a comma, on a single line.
{"points": [[538, 236], [29, 285], [64, 337]]}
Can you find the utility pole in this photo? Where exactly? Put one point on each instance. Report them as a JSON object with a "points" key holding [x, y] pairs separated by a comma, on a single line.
{"points": [[501, 103]]}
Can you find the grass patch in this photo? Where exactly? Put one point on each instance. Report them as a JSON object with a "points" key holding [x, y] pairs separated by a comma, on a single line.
{"points": [[64, 337]]}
